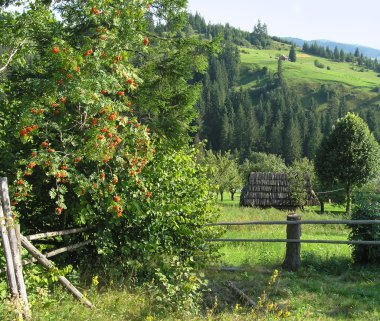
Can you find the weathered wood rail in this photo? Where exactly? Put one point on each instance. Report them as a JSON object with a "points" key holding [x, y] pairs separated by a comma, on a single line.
{"points": [[12, 240], [293, 239]]}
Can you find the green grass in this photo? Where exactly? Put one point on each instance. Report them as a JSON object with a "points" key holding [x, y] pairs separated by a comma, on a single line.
{"points": [[304, 70], [327, 287]]}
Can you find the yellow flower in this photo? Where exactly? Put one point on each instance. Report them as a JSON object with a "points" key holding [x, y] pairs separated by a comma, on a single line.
{"points": [[95, 280]]}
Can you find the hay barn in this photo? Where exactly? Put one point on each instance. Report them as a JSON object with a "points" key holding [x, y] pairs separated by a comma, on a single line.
{"points": [[272, 190]]}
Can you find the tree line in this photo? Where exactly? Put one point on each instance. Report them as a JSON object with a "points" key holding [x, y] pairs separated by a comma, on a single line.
{"points": [[341, 56]]}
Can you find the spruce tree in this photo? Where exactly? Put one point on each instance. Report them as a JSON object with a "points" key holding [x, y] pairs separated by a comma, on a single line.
{"points": [[292, 54]]}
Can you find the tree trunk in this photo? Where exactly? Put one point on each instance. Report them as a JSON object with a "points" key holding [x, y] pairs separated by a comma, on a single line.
{"points": [[348, 198], [232, 195], [322, 206], [221, 195]]}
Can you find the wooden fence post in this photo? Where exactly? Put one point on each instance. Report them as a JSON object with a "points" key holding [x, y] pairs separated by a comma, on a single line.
{"points": [[292, 260], [14, 245], [11, 277]]}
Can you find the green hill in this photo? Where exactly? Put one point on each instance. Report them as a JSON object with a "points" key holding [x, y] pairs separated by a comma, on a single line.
{"points": [[304, 69]]}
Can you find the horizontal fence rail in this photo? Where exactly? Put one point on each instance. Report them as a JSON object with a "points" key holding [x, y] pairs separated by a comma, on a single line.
{"points": [[295, 241], [58, 233], [342, 222], [61, 250]]}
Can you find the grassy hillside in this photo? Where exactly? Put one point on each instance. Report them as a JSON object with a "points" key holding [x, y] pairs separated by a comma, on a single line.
{"points": [[305, 70]]}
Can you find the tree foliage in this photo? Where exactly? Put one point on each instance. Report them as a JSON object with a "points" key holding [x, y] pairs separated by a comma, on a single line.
{"points": [[224, 172], [349, 155], [102, 92], [293, 54]]}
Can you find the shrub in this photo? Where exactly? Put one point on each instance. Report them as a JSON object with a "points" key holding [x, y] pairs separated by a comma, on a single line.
{"points": [[367, 209], [318, 64]]}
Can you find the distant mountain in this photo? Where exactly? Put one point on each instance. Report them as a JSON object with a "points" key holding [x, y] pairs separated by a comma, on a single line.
{"points": [[367, 51]]}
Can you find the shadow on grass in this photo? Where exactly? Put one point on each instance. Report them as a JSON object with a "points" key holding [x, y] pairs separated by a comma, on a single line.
{"points": [[329, 288]]}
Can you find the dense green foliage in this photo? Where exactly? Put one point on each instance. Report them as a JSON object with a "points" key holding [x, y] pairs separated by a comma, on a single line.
{"points": [[293, 54], [224, 172], [349, 155], [97, 106], [367, 208]]}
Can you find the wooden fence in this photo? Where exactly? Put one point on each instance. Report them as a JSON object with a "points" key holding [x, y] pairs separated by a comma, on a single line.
{"points": [[293, 239], [13, 240]]}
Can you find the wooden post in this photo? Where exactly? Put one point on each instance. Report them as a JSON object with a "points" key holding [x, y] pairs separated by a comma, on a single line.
{"points": [[11, 277], [48, 265], [292, 260], [14, 244]]}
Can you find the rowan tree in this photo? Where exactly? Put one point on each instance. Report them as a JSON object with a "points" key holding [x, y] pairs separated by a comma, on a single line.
{"points": [[93, 85]]}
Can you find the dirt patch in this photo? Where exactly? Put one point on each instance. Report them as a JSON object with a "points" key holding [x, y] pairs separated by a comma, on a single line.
{"points": [[303, 55]]}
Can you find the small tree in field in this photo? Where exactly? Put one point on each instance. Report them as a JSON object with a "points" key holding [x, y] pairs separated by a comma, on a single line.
{"points": [[349, 155], [224, 172], [292, 54]]}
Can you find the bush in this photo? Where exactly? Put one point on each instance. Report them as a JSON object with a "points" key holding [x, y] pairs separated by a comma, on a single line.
{"points": [[318, 64], [367, 209]]}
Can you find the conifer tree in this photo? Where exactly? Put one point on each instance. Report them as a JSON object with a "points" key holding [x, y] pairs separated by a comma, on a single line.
{"points": [[292, 54]]}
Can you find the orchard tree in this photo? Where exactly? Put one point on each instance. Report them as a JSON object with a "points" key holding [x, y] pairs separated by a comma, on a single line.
{"points": [[348, 156], [224, 172]]}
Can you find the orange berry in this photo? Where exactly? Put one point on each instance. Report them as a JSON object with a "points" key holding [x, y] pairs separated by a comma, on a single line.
{"points": [[55, 50], [116, 198], [146, 41], [23, 132], [32, 164], [112, 116]]}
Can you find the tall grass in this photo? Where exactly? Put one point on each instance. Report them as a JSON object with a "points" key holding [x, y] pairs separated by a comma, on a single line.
{"points": [[327, 287]]}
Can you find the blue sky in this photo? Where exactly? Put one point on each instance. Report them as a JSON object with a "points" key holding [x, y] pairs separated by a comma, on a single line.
{"points": [[347, 21]]}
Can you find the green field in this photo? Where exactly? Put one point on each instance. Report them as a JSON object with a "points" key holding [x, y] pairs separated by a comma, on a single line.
{"points": [[304, 70], [327, 287]]}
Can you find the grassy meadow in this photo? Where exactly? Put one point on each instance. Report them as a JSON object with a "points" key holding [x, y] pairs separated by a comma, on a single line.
{"points": [[305, 70], [327, 287]]}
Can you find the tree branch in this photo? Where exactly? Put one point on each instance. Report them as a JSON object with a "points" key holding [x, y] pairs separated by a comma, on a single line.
{"points": [[13, 52]]}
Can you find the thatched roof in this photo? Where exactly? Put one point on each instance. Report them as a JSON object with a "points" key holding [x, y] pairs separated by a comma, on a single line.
{"points": [[272, 190]]}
